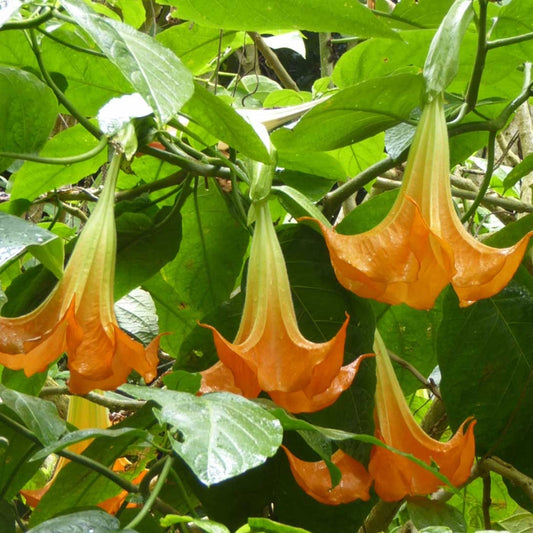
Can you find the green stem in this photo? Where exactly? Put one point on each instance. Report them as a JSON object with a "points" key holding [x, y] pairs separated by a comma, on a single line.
{"points": [[481, 54], [28, 23], [486, 180], [184, 493], [86, 123], [153, 495], [333, 200], [59, 160], [70, 45], [497, 43]]}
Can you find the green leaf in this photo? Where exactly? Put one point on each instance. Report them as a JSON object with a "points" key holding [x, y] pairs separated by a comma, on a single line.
{"points": [[133, 12], [486, 358], [353, 114], [119, 112], [442, 62], [27, 114], [204, 272], [136, 314], [34, 179], [83, 434], [82, 522], [7, 516], [425, 513], [77, 487], [422, 13], [183, 381], [19, 236], [90, 81], [39, 416], [297, 203], [520, 522], [518, 172], [197, 47], [264, 525], [144, 245], [223, 435], [219, 119], [204, 525], [255, 15], [153, 70]]}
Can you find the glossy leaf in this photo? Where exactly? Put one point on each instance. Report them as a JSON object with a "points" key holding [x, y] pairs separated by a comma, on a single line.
{"points": [[34, 179], [97, 521], [223, 435], [209, 526], [136, 314], [40, 416], [343, 17], [518, 172], [19, 236], [27, 114], [353, 114], [220, 119], [153, 70]]}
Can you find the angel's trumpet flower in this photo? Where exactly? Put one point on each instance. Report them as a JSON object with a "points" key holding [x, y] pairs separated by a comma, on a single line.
{"points": [[396, 476], [269, 353], [314, 478], [78, 316], [421, 245]]}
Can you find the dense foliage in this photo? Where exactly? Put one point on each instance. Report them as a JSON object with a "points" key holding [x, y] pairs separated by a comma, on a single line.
{"points": [[191, 126]]}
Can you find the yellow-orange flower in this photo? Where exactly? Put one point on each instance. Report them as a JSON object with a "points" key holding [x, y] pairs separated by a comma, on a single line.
{"points": [[314, 478], [78, 316], [396, 476], [421, 245], [269, 353], [85, 415]]}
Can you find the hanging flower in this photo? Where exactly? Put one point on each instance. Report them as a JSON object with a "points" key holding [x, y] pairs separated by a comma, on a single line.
{"points": [[269, 353], [396, 476], [314, 478], [84, 414], [78, 316], [421, 245]]}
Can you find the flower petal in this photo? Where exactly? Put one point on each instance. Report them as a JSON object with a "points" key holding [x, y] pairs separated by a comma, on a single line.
{"points": [[399, 261], [309, 402], [218, 378], [315, 480]]}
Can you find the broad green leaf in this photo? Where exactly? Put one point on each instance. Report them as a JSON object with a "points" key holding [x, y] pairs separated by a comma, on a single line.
{"points": [[39, 416], [83, 434], [520, 522], [209, 526], [204, 272], [19, 236], [423, 13], [425, 513], [375, 58], [77, 486], [198, 47], [34, 179], [15, 449], [7, 514], [119, 112], [27, 114], [136, 314], [84, 521], [145, 243], [219, 119], [15, 50], [90, 81], [442, 62], [222, 435], [133, 12], [183, 381], [518, 172], [264, 525], [255, 15], [514, 19], [485, 356], [353, 114], [313, 163], [153, 70], [286, 97]]}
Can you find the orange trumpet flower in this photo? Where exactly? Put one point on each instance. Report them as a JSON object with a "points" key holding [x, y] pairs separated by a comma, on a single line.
{"points": [[315, 480], [78, 316], [396, 476], [269, 353], [85, 415], [421, 245]]}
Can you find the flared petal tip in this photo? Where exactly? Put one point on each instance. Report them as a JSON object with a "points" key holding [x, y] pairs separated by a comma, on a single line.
{"points": [[315, 480]]}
